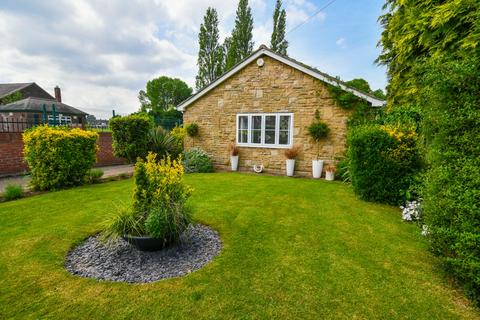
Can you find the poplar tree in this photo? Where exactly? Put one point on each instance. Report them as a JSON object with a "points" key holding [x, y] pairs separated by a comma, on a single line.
{"points": [[278, 43], [240, 44], [210, 53]]}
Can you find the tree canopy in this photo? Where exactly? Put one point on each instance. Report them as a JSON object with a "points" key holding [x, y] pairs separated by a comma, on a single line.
{"points": [[278, 43], [240, 44], [210, 54], [162, 94], [415, 31]]}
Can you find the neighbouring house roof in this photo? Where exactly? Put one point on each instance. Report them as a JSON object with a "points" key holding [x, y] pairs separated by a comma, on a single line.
{"points": [[9, 88], [36, 105], [28, 89], [263, 50]]}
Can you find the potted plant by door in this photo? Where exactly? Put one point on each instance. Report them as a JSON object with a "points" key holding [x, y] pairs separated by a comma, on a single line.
{"points": [[330, 172], [234, 151], [318, 130], [291, 154]]}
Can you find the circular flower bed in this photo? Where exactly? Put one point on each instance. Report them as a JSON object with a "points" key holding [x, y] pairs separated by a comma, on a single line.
{"points": [[122, 262]]}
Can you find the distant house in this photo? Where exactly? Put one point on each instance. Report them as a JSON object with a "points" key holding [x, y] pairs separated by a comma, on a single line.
{"points": [[265, 104], [35, 106]]}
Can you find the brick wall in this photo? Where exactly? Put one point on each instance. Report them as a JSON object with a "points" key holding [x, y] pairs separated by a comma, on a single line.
{"points": [[11, 153], [105, 155]]}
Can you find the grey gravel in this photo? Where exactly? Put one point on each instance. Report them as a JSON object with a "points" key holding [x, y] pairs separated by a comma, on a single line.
{"points": [[122, 262]]}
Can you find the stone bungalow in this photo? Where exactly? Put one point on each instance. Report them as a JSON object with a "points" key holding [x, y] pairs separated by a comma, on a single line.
{"points": [[264, 105]]}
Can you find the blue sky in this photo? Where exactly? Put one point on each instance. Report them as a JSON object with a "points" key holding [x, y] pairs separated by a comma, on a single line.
{"points": [[101, 53]]}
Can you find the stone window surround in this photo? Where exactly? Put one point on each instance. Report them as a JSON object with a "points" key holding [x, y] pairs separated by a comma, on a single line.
{"points": [[277, 130]]}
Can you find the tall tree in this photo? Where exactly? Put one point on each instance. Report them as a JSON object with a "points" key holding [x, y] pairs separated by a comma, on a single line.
{"points": [[416, 31], [278, 43], [163, 93], [210, 53], [240, 45]]}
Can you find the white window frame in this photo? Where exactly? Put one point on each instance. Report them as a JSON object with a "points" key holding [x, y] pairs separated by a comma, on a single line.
{"points": [[276, 145]]}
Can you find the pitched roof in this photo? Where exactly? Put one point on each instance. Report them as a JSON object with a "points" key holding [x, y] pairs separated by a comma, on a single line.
{"points": [[9, 88], [263, 50], [36, 105]]}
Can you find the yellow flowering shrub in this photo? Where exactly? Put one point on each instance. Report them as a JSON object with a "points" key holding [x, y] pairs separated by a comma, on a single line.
{"points": [[160, 196], [59, 157]]}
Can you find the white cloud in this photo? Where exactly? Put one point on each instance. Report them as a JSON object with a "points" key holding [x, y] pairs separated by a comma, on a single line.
{"points": [[341, 42], [101, 53]]}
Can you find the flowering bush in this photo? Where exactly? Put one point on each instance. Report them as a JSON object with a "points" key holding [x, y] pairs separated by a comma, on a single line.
{"points": [[59, 157], [159, 202]]}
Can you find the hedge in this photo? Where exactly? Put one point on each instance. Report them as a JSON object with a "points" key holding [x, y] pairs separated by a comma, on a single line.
{"points": [[383, 161], [451, 194], [59, 157], [131, 136]]}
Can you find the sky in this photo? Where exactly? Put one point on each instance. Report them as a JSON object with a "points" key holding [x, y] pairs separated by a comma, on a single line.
{"points": [[101, 53]]}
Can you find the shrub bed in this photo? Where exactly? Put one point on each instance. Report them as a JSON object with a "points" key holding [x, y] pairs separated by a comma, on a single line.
{"points": [[59, 157], [197, 160]]}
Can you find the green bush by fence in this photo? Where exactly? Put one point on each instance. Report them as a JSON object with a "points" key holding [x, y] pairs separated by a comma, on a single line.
{"points": [[131, 136], [59, 157]]}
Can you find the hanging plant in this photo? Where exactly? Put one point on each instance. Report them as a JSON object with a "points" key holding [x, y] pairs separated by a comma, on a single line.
{"points": [[318, 130]]}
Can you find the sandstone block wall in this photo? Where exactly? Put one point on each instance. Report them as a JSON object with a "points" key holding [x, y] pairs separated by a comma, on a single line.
{"points": [[275, 87]]}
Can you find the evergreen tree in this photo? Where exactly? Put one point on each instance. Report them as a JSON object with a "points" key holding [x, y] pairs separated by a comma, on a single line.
{"points": [[210, 53], [240, 44], [278, 42]]}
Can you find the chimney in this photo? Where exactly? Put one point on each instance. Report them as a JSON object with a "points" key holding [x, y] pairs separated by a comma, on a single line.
{"points": [[58, 94]]}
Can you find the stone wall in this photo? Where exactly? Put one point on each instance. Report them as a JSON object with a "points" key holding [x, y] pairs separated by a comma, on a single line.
{"points": [[275, 87], [11, 153]]}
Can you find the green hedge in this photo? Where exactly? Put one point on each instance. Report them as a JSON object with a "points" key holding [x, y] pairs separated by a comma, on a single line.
{"points": [[451, 193], [59, 157], [131, 135], [383, 162]]}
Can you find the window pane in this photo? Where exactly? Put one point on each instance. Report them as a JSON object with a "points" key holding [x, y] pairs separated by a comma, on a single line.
{"points": [[257, 122], [270, 136], [283, 138], [243, 122], [270, 122], [242, 136], [284, 122], [256, 136]]}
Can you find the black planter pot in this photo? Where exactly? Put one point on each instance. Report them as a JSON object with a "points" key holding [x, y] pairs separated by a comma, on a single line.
{"points": [[147, 243]]}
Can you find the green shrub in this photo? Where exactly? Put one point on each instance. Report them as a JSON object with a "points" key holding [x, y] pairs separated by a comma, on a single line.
{"points": [[12, 192], [159, 201], [163, 143], [123, 221], [131, 136], [451, 193], [59, 157], [94, 175], [196, 160], [382, 162]]}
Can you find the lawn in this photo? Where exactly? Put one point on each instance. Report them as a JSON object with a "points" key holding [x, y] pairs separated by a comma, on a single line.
{"points": [[293, 248]]}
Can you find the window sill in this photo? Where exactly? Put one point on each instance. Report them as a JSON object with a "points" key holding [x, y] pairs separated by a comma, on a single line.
{"points": [[264, 146]]}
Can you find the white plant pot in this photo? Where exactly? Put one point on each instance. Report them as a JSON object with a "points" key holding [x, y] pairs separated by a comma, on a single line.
{"points": [[234, 162], [329, 175], [290, 167], [317, 167]]}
